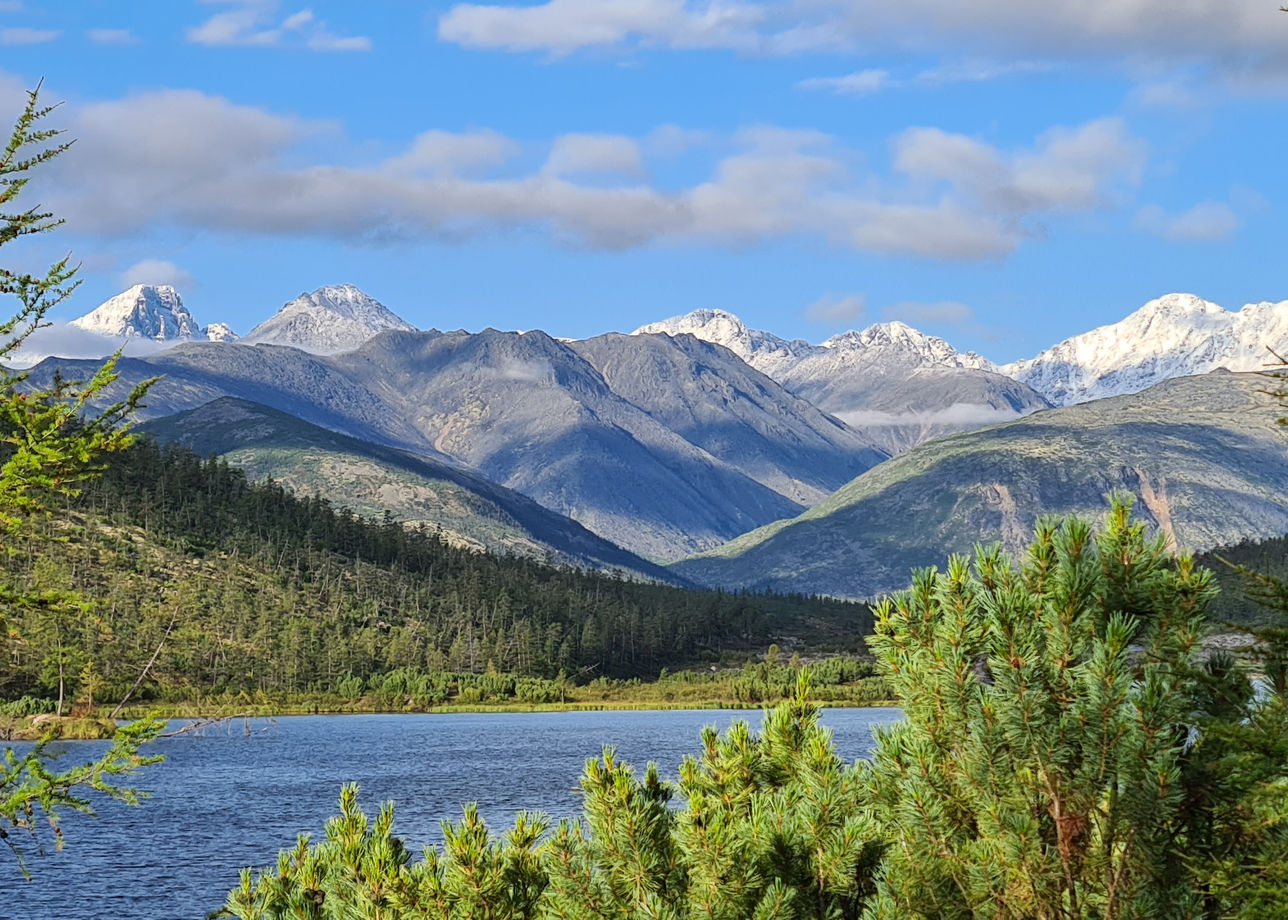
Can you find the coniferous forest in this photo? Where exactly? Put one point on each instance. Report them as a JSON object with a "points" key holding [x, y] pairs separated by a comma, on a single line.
{"points": [[246, 588]]}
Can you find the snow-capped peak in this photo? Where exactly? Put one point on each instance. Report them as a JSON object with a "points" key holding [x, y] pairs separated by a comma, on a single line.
{"points": [[1172, 336], [220, 332], [762, 350], [334, 318], [148, 311], [910, 346]]}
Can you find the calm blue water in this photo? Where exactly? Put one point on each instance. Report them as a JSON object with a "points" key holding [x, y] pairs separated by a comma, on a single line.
{"points": [[224, 800]]}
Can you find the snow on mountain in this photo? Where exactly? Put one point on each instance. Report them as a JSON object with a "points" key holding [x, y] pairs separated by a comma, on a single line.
{"points": [[776, 357], [149, 311], [334, 318], [895, 383], [896, 341], [1178, 335], [764, 351], [220, 332]]}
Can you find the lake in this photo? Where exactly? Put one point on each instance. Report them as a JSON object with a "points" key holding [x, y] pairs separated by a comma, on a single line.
{"points": [[224, 799]]}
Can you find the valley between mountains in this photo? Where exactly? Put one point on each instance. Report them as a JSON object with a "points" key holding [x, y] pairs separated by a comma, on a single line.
{"points": [[700, 451]]}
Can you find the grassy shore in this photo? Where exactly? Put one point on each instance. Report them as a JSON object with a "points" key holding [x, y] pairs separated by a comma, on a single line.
{"points": [[598, 696], [836, 682]]}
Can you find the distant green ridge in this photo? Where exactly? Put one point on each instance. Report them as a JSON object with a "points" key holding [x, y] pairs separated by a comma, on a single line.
{"points": [[1202, 455]]}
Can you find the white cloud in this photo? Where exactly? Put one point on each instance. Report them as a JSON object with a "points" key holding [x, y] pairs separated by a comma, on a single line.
{"points": [[1206, 222], [255, 23], [22, 35], [1235, 36], [969, 414], [978, 71], [156, 271], [563, 26], [1173, 93], [444, 153], [673, 140], [1096, 28], [1068, 169], [945, 230], [62, 340], [210, 164], [837, 309], [860, 83], [572, 154], [112, 36]]}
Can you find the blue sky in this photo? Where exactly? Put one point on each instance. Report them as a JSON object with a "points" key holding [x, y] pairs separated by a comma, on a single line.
{"points": [[999, 172]]}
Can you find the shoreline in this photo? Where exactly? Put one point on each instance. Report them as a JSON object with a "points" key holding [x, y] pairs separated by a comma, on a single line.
{"points": [[98, 727]]}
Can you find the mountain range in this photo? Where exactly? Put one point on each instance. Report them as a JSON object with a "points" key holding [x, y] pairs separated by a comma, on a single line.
{"points": [[700, 437], [887, 375], [900, 386], [663, 471]]}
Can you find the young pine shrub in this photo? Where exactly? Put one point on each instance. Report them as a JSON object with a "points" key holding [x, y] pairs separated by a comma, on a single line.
{"points": [[1049, 716]]}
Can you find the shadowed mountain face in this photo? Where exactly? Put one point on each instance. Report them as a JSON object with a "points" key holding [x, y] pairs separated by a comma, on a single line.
{"points": [[661, 473], [371, 479], [1202, 455], [532, 413], [714, 400]]}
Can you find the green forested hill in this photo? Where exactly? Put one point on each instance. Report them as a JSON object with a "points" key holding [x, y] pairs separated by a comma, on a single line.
{"points": [[1202, 456], [370, 479], [245, 586]]}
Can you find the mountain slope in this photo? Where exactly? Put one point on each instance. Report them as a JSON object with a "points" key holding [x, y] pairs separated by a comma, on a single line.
{"points": [[1202, 455], [370, 479], [1174, 336], [714, 400], [149, 311], [531, 413], [332, 319], [897, 385]]}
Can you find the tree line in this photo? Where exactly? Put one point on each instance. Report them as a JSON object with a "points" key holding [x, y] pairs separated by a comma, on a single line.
{"points": [[229, 585]]}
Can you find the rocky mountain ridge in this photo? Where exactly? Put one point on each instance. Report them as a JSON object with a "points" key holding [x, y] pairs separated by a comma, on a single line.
{"points": [[664, 449], [898, 385], [865, 377], [1177, 335]]}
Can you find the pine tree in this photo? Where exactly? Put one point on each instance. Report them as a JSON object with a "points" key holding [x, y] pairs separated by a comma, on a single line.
{"points": [[1039, 771], [51, 443]]}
